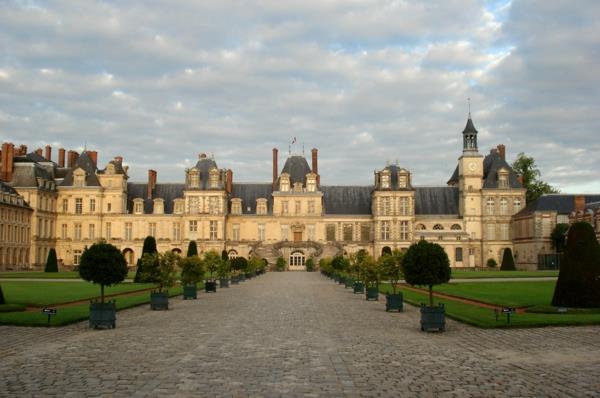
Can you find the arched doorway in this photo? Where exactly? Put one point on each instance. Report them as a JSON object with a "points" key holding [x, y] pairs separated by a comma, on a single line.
{"points": [[297, 261], [177, 251], [232, 254], [386, 251], [128, 254]]}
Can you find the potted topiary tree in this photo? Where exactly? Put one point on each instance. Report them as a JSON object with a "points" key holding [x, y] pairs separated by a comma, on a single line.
{"points": [[255, 264], [508, 262], [223, 271], [427, 264], [103, 264], [161, 269], [310, 265], [391, 269], [354, 268], [192, 272], [51, 262], [340, 266], [212, 262], [371, 272], [149, 247], [237, 265], [192, 249], [280, 264]]}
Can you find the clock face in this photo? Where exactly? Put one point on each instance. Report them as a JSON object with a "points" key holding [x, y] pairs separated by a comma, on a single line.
{"points": [[472, 166]]}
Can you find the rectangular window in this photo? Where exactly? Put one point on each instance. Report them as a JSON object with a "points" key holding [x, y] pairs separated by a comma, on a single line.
{"points": [[490, 205], [285, 232], [365, 232], [348, 232], [65, 205], [404, 211], [261, 232], [298, 207], [176, 231], [108, 207], [78, 205], [77, 231], [76, 257], [213, 230], [311, 207], [284, 207], [212, 205], [92, 205], [92, 231], [385, 230], [458, 254], [386, 206], [504, 232], [63, 231], [108, 231], [193, 226], [236, 232], [152, 229], [403, 230], [330, 232], [491, 231], [128, 231], [310, 232]]}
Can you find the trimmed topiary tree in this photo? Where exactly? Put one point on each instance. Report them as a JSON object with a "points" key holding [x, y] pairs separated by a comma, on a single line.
{"points": [[160, 268], [508, 262], [224, 255], [280, 264], [238, 264], [491, 263], [2, 300], [559, 237], [310, 265], [426, 264], [192, 270], [578, 283], [51, 262], [192, 249], [149, 247], [103, 264]]}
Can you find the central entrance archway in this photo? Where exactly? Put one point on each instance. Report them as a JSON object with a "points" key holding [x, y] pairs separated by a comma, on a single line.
{"points": [[297, 261]]}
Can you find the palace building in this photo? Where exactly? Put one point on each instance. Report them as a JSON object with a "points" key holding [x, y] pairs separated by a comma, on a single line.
{"points": [[296, 215]]}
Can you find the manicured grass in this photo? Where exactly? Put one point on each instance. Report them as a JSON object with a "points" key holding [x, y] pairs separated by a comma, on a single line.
{"points": [[485, 318], [39, 294], [67, 315], [11, 307], [459, 274], [508, 294], [47, 275]]}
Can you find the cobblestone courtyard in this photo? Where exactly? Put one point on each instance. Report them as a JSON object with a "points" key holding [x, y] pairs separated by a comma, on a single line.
{"points": [[294, 335]]}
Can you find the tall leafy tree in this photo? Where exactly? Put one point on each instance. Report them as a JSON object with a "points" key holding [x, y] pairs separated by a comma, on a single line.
{"points": [[148, 248], [526, 167], [559, 237], [508, 262]]}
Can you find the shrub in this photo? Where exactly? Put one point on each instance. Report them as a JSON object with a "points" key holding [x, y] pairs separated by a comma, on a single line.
{"points": [[103, 264], [325, 265], [51, 262], [212, 262], [578, 283], [192, 270], [160, 268], [340, 264], [238, 264], [148, 248], [192, 249], [508, 262], [224, 255], [310, 265], [391, 268], [280, 264], [491, 263], [254, 264], [371, 271], [224, 268], [2, 300], [426, 264]]}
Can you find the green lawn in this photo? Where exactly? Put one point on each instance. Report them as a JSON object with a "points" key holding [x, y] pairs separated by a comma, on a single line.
{"points": [[508, 294], [456, 274], [47, 275], [46, 293], [485, 318], [67, 315]]}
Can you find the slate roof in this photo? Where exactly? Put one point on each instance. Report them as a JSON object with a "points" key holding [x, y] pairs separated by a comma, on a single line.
{"points": [[250, 192], [561, 203], [5, 188], [86, 163], [168, 192], [297, 167], [470, 127], [204, 164], [491, 164], [592, 205], [347, 199], [26, 174], [436, 200], [118, 167]]}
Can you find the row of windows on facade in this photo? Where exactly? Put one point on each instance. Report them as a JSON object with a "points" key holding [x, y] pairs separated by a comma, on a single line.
{"points": [[388, 206], [91, 208], [13, 256], [14, 234], [11, 199], [490, 206], [45, 228], [14, 215], [285, 186]]}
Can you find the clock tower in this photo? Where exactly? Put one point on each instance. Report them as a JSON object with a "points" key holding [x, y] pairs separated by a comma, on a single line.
{"points": [[470, 181]]}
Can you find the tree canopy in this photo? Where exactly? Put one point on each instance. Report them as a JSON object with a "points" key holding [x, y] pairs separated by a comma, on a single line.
{"points": [[559, 237], [526, 167], [160, 268], [426, 264], [51, 262], [149, 247], [103, 264], [192, 270]]}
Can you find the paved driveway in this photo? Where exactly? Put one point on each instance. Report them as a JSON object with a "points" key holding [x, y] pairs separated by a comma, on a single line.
{"points": [[294, 335]]}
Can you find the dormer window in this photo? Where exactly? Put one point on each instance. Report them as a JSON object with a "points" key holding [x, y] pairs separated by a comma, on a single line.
{"points": [[502, 178], [178, 206], [138, 206], [311, 182], [194, 178], [403, 179], [110, 169], [385, 179], [79, 178], [297, 187], [213, 179], [159, 206], [284, 182], [236, 206], [261, 206]]}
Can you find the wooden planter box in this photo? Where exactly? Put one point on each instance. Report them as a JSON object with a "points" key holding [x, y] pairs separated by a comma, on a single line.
{"points": [[223, 282], [394, 302], [433, 318], [103, 314], [372, 293], [210, 287], [190, 292], [159, 301], [359, 287]]}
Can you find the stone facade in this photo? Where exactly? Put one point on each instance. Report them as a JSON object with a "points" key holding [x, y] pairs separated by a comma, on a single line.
{"points": [[15, 224]]}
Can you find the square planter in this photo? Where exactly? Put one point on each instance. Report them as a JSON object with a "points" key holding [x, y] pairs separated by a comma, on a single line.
{"points": [[394, 302], [242, 277], [210, 287], [159, 301], [372, 293], [103, 314], [223, 282], [190, 292], [433, 318], [359, 287], [235, 280], [348, 282]]}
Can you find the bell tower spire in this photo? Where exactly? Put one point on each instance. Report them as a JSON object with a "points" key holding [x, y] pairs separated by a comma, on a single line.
{"points": [[470, 134]]}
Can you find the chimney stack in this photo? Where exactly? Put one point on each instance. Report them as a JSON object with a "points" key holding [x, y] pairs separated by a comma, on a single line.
{"points": [[7, 161], [48, 153], [315, 164], [579, 203], [521, 180], [61, 157], [151, 182], [94, 156], [502, 151], [275, 168], [229, 184], [39, 151], [119, 159], [72, 157], [22, 151]]}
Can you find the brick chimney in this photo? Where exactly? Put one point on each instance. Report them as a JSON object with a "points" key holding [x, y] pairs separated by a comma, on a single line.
{"points": [[229, 181], [502, 151], [275, 168], [48, 154], [579, 202], [72, 157], [315, 163], [521, 180], [22, 151], [61, 157], [7, 161], [94, 156], [151, 182], [40, 151]]}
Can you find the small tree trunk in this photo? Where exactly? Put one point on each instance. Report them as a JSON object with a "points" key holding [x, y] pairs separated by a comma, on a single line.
{"points": [[431, 295], [102, 294]]}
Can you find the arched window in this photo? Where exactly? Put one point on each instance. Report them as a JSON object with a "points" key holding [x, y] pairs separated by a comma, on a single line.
{"points": [[455, 227], [297, 259], [438, 227], [128, 254], [231, 254], [516, 205], [420, 227]]}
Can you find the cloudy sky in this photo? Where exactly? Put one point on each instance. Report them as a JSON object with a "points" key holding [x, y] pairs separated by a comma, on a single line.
{"points": [[367, 82]]}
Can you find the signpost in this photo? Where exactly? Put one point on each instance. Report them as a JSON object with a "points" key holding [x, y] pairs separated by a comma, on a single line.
{"points": [[505, 310], [50, 312]]}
